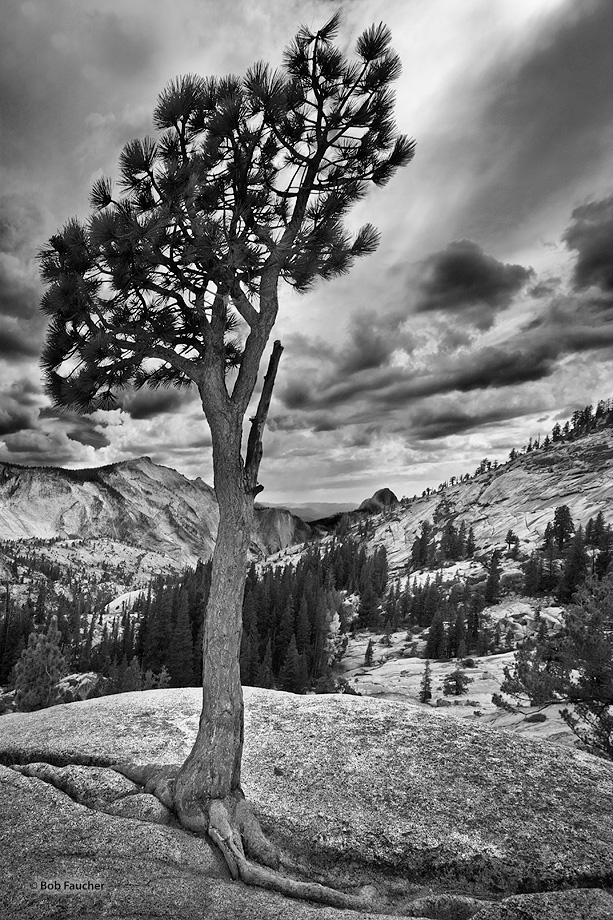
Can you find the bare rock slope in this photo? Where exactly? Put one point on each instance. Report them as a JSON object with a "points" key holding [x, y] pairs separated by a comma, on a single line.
{"points": [[136, 502], [520, 495], [437, 818]]}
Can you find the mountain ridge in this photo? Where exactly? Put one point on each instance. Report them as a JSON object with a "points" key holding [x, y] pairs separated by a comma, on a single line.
{"points": [[520, 495], [134, 501], [157, 508]]}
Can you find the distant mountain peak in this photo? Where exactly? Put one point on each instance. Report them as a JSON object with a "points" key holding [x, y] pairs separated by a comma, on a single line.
{"points": [[136, 502], [383, 498]]}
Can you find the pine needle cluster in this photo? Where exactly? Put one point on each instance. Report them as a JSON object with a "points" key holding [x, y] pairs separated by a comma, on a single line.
{"points": [[173, 277]]}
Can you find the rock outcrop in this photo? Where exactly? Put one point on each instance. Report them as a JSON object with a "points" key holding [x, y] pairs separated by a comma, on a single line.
{"points": [[136, 503], [382, 499], [382, 797], [520, 495]]}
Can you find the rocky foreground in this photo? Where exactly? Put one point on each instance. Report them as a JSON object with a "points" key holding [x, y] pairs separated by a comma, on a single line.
{"points": [[418, 814]]}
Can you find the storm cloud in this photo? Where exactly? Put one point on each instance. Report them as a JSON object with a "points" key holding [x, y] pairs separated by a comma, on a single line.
{"points": [[149, 403], [433, 424], [590, 235], [21, 324], [464, 278]]}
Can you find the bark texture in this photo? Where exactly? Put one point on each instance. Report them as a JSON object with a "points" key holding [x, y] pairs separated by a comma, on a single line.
{"points": [[212, 769]]}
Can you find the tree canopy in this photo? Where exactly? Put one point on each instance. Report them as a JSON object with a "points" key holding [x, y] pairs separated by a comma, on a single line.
{"points": [[173, 277]]}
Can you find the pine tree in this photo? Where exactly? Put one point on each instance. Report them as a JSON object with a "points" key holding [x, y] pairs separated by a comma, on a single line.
{"points": [[368, 611], [604, 560], [85, 659], [132, 678], [159, 631], [533, 575], [41, 604], [253, 665], [455, 684], [180, 657], [121, 674], [264, 677], [492, 585], [285, 633], [436, 645], [562, 528], [368, 655], [575, 568], [291, 675], [303, 627], [162, 679], [425, 691], [457, 639], [575, 667], [420, 553], [175, 278], [39, 669], [599, 535]]}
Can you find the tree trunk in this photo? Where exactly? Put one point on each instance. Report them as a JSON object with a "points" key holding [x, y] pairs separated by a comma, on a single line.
{"points": [[212, 769], [207, 792]]}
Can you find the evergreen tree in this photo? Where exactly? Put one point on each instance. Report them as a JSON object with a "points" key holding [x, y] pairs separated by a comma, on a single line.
{"points": [[420, 552], [368, 610], [533, 575], [457, 638], [253, 665], [159, 630], [132, 678], [599, 533], [264, 677], [40, 615], [575, 667], [562, 528], [462, 540], [368, 655], [162, 680], [455, 684], [303, 627], [85, 659], [292, 673], [492, 585], [604, 560], [425, 690], [180, 657], [575, 568], [436, 645], [175, 278], [121, 674], [39, 669], [285, 633]]}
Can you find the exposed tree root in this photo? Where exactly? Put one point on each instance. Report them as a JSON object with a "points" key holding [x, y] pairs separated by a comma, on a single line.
{"points": [[232, 825], [234, 836]]}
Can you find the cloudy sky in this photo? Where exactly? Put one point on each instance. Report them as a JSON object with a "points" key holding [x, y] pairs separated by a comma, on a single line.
{"points": [[487, 312]]}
